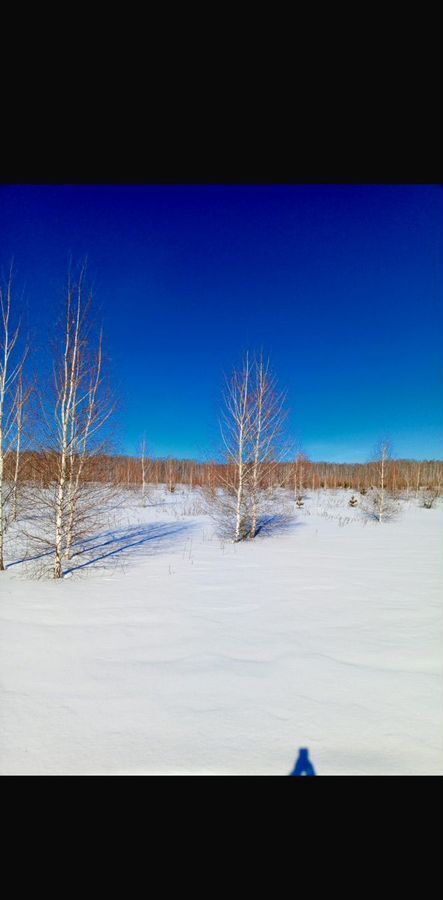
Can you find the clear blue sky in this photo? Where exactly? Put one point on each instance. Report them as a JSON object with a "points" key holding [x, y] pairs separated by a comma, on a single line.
{"points": [[340, 285]]}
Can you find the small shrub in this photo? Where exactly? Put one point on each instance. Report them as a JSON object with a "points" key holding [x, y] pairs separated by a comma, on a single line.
{"points": [[429, 498]]}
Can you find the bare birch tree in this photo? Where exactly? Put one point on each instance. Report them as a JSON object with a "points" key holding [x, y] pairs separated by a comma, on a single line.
{"points": [[236, 433], [251, 428], [12, 401], [21, 403], [268, 416], [228, 499], [417, 490], [299, 477], [71, 489], [143, 467], [380, 504], [171, 475], [146, 472]]}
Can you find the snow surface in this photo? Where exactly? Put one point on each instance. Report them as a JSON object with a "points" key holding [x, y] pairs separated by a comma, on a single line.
{"points": [[181, 654]]}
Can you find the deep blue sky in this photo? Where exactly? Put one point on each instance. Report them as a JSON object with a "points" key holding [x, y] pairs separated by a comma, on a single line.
{"points": [[340, 285]]}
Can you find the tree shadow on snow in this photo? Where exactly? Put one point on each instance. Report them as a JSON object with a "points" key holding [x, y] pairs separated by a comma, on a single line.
{"points": [[138, 540], [279, 523]]}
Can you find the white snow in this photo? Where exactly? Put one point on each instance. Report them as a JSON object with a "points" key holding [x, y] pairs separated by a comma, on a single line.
{"points": [[184, 655]]}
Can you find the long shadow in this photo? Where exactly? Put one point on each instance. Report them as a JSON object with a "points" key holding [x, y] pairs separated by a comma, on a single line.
{"points": [[278, 523], [51, 552], [146, 535], [116, 537]]}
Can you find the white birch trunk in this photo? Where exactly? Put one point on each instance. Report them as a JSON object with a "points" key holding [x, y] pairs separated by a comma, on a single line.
{"points": [[17, 452], [8, 412]]}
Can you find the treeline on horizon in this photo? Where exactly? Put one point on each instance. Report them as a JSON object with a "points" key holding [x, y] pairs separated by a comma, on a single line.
{"points": [[299, 474]]}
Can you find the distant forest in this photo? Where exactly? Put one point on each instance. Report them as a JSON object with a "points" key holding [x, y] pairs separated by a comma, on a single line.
{"points": [[300, 474]]}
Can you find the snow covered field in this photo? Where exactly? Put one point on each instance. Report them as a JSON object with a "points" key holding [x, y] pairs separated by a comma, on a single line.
{"points": [[176, 653]]}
